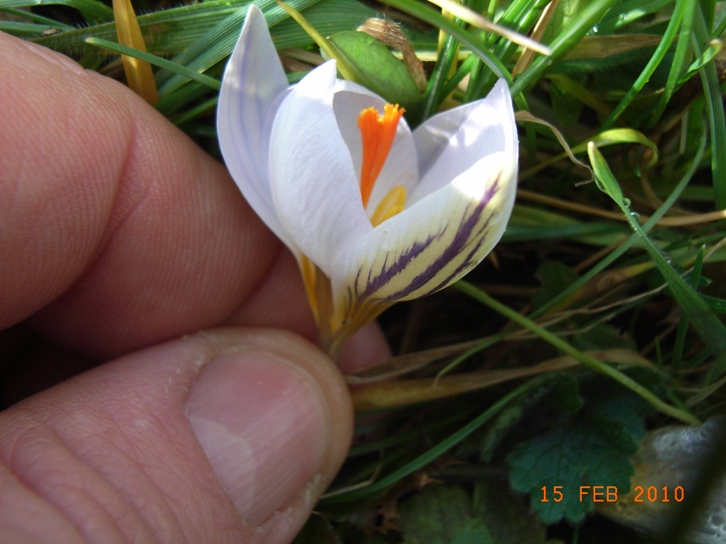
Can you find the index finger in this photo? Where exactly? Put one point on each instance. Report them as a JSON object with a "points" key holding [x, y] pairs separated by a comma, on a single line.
{"points": [[117, 231]]}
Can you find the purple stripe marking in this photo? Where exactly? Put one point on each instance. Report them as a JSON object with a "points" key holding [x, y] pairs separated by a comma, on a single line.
{"points": [[468, 260], [387, 274], [479, 236], [464, 233]]}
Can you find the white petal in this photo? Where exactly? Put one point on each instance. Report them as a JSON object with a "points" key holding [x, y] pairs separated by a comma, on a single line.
{"points": [[451, 142], [434, 243], [313, 182], [251, 88], [401, 167]]}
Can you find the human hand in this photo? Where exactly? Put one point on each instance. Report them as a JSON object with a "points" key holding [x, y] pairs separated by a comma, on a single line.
{"points": [[117, 237]]}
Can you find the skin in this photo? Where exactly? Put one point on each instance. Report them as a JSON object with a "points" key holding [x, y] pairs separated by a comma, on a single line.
{"points": [[216, 418]]}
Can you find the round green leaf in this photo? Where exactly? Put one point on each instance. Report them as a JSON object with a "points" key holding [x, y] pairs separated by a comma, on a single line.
{"points": [[377, 69]]}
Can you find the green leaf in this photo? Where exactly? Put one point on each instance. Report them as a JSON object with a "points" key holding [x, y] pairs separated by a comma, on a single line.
{"points": [[216, 44], [442, 515], [25, 30], [658, 56], [584, 358], [678, 61], [709, 327], [609, 401], [580, 21], [201, 35], [558, 393], [590, 448], [599, 47], [562, 395], [92, 10], [699, 138], [613, 136], [716, 116], [584, 452], [621, 136], [708, 55], [377, 69], [322, 42], [629, 12], [468, 39], [565, 13], [157, 61]]}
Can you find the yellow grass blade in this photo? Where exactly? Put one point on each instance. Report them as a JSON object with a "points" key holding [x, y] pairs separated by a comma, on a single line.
{"points": [[138, 73]]}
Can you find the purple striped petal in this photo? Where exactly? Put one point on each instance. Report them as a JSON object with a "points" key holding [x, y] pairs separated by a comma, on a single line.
{"points": [[451, 142], [435, 242]]}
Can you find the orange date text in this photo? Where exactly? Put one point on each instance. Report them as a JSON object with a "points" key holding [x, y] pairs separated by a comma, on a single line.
{"points": [[609, 493]]}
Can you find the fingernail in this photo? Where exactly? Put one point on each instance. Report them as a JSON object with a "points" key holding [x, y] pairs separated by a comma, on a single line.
{"points": [[262, 424]]}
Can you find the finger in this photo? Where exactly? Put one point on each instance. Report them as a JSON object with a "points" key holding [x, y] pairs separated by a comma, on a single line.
{"points": [[226, 436], [107, 204], [119, 228]]}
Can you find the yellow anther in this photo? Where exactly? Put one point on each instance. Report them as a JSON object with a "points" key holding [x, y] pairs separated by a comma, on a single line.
{"points": [[390, 205]]}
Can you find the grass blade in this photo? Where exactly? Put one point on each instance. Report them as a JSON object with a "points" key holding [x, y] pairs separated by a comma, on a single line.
{"points": [[708, 326]]}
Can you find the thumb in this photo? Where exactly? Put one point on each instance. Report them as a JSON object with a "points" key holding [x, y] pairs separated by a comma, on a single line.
{"points": [[224, 436]]}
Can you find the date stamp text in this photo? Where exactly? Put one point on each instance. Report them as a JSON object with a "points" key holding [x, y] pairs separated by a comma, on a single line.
{"points": [[609, 493]]}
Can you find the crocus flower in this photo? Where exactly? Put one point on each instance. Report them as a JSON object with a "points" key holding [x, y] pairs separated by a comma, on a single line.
{"points": [[375, 213]]}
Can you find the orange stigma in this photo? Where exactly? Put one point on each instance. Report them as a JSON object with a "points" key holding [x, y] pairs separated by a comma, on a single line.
{"points": [[378, 132]]}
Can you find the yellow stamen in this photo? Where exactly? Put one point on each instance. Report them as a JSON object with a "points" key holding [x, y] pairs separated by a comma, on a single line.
{"points": [[390, 205], [378, 132]]}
